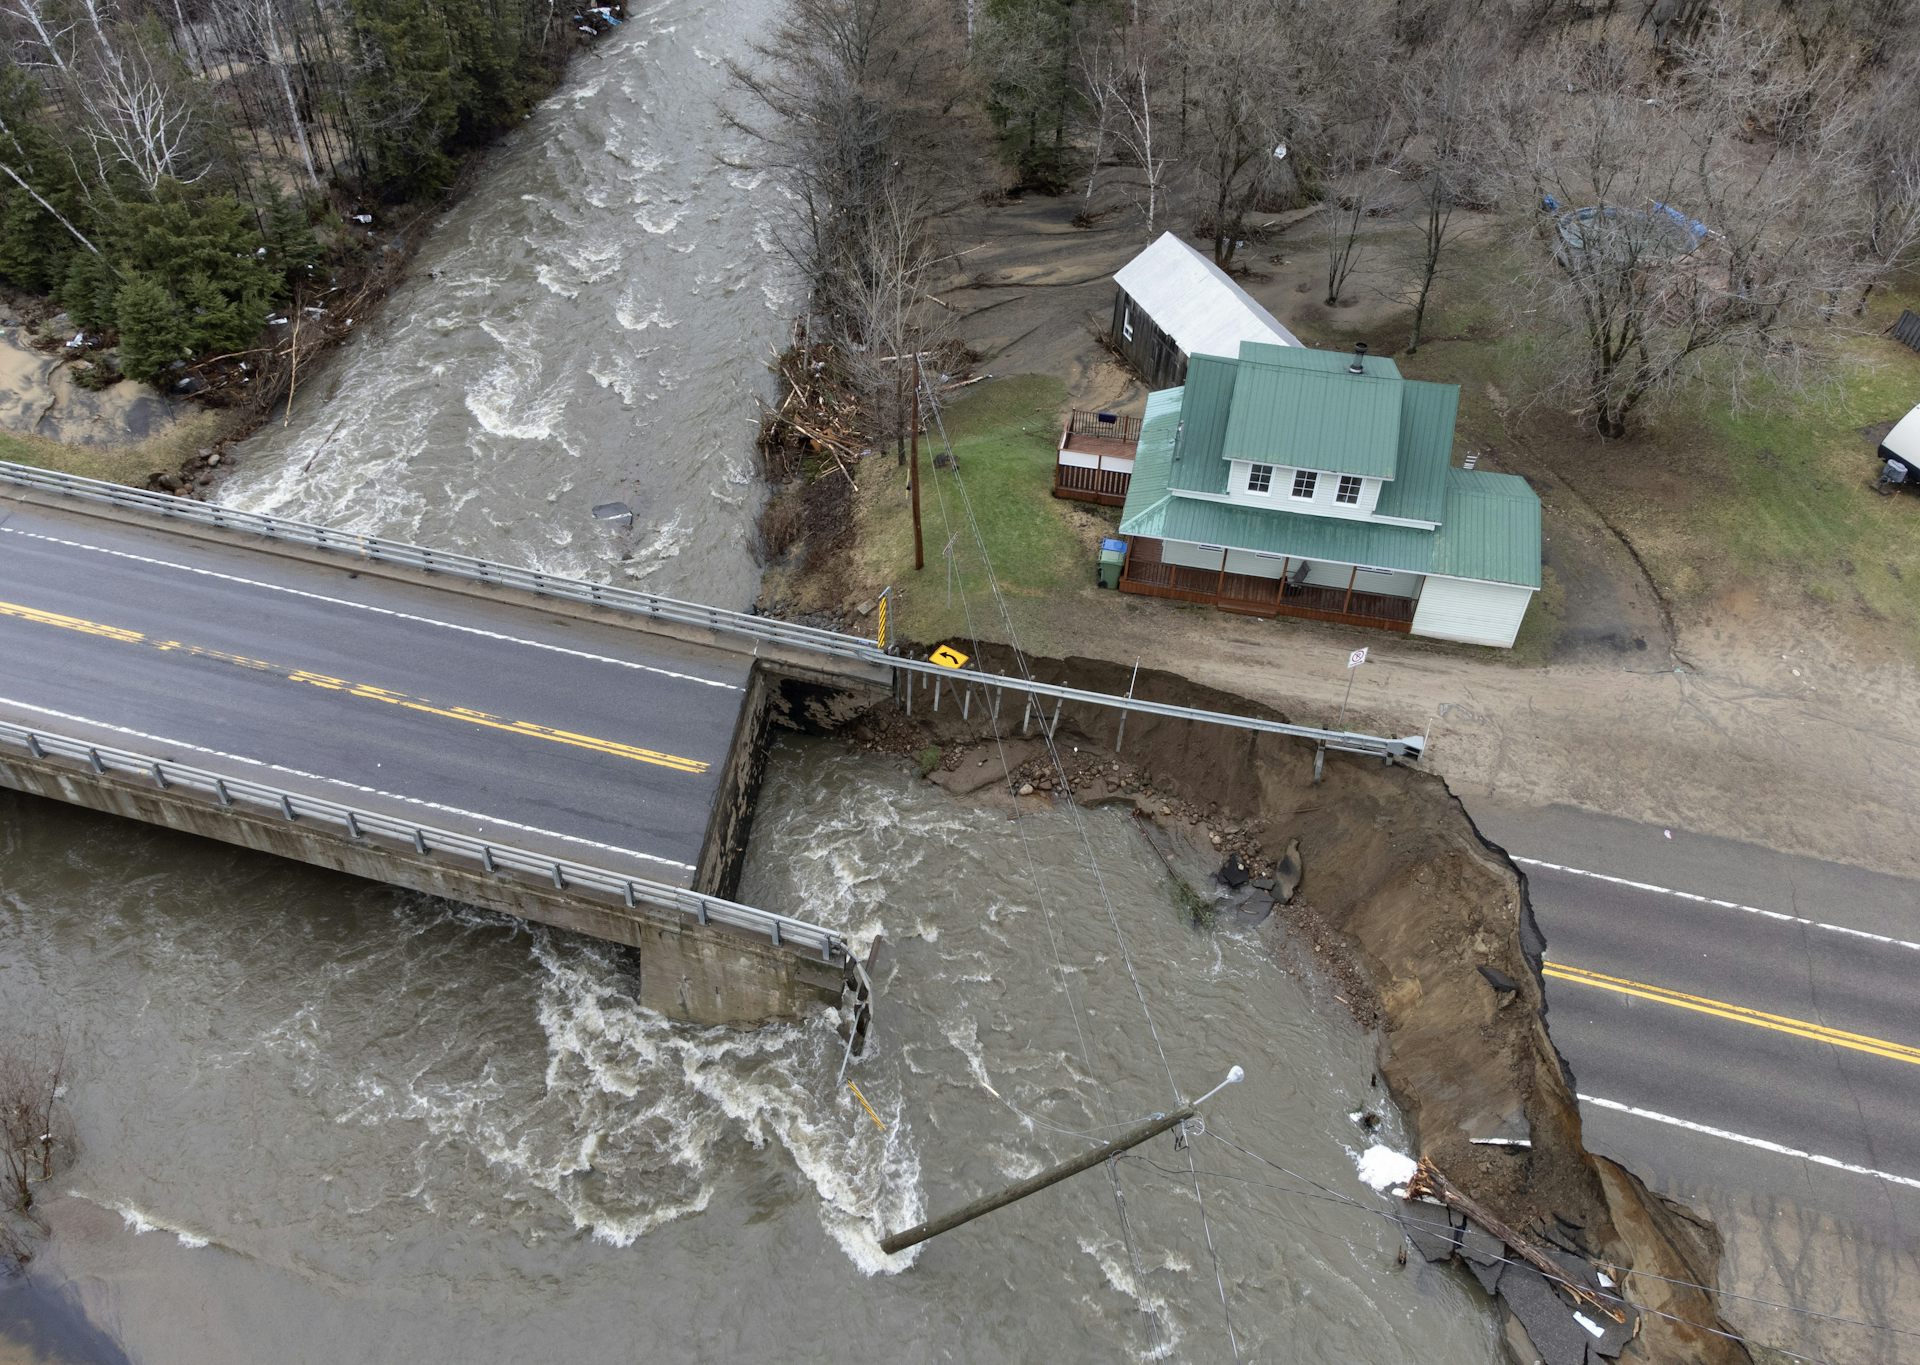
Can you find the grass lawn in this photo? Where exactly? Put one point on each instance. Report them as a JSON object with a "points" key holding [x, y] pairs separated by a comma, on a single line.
{"points": [[132, 464], [1005, 432]]}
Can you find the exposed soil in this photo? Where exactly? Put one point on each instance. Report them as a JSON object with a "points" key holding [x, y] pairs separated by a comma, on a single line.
{"points": [[1401, 904]]}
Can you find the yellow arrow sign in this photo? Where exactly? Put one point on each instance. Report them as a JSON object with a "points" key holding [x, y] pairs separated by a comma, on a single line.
{"points": [[948, 657]]}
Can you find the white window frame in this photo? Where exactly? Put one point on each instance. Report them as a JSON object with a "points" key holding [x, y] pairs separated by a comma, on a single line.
{"points": [[1359, 486], [1263, 473], [1312, 480], [1126, 320]]}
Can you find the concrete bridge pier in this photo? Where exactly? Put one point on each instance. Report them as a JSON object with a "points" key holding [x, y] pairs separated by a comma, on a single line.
{"points": [[701, 973]]}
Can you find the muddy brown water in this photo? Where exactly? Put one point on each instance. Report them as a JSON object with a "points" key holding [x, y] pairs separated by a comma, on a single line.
{"points": [[324, 1120]]}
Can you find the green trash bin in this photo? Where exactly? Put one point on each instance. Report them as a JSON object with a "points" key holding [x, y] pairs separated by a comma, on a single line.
{"points": [[1113, 556]]}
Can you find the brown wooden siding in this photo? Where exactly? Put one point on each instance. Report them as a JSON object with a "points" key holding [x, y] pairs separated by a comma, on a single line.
{"points": [[1108, 487], [1086, 434], [1148, 574]]}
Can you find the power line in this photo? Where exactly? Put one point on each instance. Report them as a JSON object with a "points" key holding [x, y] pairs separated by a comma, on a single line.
{"points": [[1038, 887], [1409, 1219], [1093, 859]]}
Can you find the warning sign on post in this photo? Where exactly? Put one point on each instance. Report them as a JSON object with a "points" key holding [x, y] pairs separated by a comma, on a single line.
{"points": [[948, 657], [1358, 657]]}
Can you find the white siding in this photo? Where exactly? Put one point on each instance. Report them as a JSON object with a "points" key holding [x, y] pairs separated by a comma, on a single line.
{"points": [[1253, 564], [1190, 556], [1397, 584], [1473, 613], [1325, 573], [1122, 464], [1281, 497]]}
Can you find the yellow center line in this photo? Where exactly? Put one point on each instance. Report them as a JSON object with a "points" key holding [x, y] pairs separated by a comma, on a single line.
{"points": [[364, 691], [1739, 1014]]}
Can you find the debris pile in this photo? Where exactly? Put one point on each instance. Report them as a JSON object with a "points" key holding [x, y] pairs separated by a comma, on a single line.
{"points": [[1571, 1311]]}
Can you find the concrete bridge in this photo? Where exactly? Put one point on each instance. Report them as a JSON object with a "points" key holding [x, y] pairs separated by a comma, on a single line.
{"points": [[573, 753]]}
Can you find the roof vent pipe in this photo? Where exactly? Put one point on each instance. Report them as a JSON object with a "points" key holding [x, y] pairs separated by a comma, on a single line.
{"points": [[1359, 365]]}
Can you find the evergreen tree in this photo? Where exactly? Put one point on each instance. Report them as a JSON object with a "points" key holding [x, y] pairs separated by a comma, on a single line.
{"points": [[220, 322], [33, 245], [153, 328], [292, 249], [1024, 57], [409, 106], [89, 292]]}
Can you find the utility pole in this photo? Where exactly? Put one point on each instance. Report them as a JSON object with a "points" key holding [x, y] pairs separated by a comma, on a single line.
{"points": [[919, 547], [1133, 1137]]}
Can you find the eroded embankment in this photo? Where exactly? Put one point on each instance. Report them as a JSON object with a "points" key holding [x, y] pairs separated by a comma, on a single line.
{"points": [[1403, 902]]}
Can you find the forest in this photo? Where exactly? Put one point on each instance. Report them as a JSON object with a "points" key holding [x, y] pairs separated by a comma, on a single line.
{"points": [[178, 172]]}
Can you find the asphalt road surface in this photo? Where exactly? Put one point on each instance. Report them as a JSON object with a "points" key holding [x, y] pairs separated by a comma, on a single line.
{"points": [[565, 737], [1744, 1032]]}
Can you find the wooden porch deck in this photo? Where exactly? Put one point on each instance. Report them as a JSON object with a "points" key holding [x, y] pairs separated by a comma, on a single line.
{"points": [[1146, 573], [1111, 444]]}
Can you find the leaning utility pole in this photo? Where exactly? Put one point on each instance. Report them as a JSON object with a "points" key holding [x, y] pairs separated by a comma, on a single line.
{"points": [[919, 547], [1133, 1137]]}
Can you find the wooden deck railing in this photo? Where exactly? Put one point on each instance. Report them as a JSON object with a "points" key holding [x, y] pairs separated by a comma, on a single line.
{"points": [[1103, 426], [1148, 574], [1107, 487]]}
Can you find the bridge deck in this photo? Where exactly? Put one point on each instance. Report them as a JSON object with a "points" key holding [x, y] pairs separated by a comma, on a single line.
{"points": [[558, 735]]}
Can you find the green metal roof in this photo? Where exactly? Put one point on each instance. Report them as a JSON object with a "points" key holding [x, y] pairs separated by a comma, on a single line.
{"points": [[1197, 466], [1490, 523], [1419, 491], [1491, 529], [1315, 419], [1153, 457]]}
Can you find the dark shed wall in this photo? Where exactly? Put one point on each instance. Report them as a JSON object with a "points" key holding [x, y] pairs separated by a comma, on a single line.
{"points": [[1150, 351]]}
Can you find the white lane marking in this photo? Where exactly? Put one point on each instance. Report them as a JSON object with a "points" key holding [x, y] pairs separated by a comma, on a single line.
{"points": [[1694, 896], [350, 786], [1765, 1146], [378, 611]]}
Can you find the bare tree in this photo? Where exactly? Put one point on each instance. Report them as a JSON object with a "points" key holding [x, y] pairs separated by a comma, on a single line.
{"points": [[848, 99], [35, 1136], [887, 320], [1659, 234], [135, 101], [1437, 95], [1882, 122], [1120, 70], [1244, 107], [1361, 180], [261, 21]]}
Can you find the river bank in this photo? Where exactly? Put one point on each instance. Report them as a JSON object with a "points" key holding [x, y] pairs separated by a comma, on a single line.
{"points": [[1406, 918], [183, 440]]}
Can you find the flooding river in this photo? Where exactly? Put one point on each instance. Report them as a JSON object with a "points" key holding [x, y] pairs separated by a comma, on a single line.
{"points": [[322, 1120]]}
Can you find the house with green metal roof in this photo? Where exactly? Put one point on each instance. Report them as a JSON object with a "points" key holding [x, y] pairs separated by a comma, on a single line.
{"points": [[1293, 482]]}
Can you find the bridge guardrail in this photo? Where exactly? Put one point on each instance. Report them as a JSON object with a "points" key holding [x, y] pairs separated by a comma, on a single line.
{"points": [[782, 930], [810, 639]]}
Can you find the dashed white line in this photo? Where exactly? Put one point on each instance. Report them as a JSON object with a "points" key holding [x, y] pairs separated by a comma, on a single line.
{"points": [[350, 786], [1699, 899], [378, 611], [1779, 1149]]}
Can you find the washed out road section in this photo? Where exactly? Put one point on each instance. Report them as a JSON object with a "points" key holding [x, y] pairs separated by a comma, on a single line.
{"points": [[572, 738]]}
